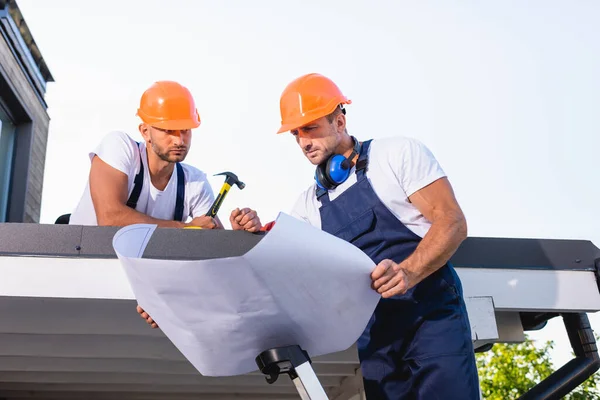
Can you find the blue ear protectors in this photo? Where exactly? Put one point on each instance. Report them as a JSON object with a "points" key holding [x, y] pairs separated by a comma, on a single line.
{"points": [[336, 169]]}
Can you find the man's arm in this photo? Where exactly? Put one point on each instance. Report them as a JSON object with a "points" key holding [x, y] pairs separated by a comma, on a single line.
{"points": [[108, 188], [448, 230]]}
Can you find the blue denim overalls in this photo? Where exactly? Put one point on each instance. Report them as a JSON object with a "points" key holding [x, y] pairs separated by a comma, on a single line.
{"points": [[417, 345]]}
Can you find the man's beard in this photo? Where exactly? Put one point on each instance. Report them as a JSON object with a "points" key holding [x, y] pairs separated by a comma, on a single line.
{"points": [[165, 156], [324, 157]]}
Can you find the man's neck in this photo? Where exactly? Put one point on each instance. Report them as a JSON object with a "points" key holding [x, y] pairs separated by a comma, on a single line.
{"points": [[160, 170], [346, 147]]}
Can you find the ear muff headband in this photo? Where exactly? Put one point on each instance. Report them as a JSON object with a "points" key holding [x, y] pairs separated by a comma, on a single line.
{"points": [[336, 169]]}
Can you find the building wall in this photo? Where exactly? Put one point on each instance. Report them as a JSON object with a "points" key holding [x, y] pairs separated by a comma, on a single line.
{"points": [[27, 106]]}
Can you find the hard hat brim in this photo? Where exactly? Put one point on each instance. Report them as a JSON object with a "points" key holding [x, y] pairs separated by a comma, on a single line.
{"points": [[310, 117], [176, 125], [288, 127]]}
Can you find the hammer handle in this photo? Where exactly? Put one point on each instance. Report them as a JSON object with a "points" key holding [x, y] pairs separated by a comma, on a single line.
{"points": [[214, 209]]}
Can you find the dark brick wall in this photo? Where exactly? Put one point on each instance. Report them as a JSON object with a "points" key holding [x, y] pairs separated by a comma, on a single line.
{"points": [[31, 170]]}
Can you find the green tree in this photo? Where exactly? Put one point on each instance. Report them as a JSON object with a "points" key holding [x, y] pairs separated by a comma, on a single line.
{"points": [[509, 370]]}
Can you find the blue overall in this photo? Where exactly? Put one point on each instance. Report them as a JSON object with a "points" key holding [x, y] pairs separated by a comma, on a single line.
{"points": [[138, 182], [417, 345]]}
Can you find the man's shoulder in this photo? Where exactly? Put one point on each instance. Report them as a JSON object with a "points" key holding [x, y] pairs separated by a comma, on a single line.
{"points": [[118, 150], [119, 138], [194, 174], [399, 149], [307, 196], [117, 142], [304, 205], [197, 184], [395, 143], [309, 192]]}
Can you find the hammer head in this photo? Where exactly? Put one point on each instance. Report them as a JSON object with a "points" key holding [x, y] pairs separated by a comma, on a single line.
{"points": [[232, 179]]}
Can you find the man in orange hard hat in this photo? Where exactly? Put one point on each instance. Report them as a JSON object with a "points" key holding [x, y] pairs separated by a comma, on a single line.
{"points": [[390, 198], [147, 182]]}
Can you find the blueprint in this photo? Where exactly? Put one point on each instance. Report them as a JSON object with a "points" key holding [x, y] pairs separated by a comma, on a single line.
{"points": [[298, 286]]}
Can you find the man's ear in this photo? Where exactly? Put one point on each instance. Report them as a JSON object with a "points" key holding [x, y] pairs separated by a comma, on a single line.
{"points": [[145, 131], [340, 122]]}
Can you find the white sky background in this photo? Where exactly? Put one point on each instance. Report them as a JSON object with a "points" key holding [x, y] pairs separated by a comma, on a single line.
{"points": [[506, 94]]}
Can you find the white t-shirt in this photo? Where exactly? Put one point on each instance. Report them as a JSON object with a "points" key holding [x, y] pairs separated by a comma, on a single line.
{"points": [[121, 152], [398, 167]]}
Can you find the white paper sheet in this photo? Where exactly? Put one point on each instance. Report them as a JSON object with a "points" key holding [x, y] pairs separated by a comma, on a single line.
{"points": [[298, 285]]}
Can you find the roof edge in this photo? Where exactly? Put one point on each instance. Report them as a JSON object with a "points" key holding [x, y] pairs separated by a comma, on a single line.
{"points": [[19, 20]]}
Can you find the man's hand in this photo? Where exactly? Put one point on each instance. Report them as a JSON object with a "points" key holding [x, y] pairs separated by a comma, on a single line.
{"points": [[204, 222], [245, 219], [147, 317], [448, 229], [390, 279]]}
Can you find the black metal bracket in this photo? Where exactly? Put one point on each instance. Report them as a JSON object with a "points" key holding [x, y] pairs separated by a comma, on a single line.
{"points": [[281, 360], [597, 265], [484, 348], [532, 321], [576, 371]]}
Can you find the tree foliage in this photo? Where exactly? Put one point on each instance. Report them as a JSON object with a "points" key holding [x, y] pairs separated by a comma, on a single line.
{"points": [[507, 371]]}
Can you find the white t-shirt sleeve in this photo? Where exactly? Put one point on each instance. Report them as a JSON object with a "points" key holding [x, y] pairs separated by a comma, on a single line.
{"points": [[118, 150], [415, 165], [300, 210], [203, 196]]}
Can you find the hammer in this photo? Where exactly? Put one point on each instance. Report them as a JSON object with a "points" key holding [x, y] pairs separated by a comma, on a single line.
{"points": [[230, 180]]}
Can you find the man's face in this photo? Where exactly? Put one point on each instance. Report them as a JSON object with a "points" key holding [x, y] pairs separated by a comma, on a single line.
{"points": [[320, 138], [169, 145]]}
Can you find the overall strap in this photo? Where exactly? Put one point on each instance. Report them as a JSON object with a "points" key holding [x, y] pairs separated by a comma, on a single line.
{"points": [[180, 193], [137, 183], [320, 193], [363, 160]]}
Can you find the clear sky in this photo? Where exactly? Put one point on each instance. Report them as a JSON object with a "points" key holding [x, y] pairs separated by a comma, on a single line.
{"points": [[506, 94]]}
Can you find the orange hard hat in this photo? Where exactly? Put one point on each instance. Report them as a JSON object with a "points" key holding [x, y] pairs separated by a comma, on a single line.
{"points": [[168, 105], [307, 99]]}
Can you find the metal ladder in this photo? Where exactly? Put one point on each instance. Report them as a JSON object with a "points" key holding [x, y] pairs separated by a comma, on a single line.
{"points": [[295, 362]]}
